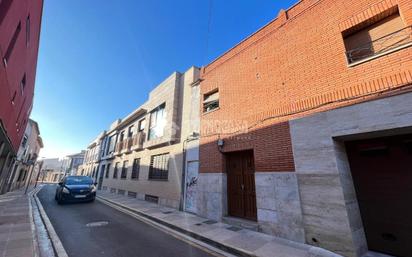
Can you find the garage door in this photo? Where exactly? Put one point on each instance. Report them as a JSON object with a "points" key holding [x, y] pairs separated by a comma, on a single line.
{"points": [[382, 174]]}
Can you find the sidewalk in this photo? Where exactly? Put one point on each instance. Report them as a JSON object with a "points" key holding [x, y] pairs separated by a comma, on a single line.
{"points": [[229, 238], [17, 237]]}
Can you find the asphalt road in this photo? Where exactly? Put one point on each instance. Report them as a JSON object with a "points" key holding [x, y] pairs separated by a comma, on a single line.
{"points": [[122, 236]]}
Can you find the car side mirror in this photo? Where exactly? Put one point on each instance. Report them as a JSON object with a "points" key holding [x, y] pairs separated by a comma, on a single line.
{"points": [[60, 183]]}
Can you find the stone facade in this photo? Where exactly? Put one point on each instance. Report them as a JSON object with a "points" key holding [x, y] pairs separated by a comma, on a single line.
{"points": [[330, 210], [129, 140]]}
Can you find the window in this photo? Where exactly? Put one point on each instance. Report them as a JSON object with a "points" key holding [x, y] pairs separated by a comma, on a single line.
{"points": [[107, 170], [23, 84], [157, 122], [373, 38], [130, 131], [11, 44], [211, 101], [111, 144], [124, 170], [136, 168], [27, 30], [159, 167], [121, 136], [102, 171], [142, 124], [24, 142], [116, 167]]}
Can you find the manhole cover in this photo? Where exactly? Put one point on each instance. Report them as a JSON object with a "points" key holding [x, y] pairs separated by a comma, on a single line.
{"points": [[97, 224], [233, 228], [210, 222]]}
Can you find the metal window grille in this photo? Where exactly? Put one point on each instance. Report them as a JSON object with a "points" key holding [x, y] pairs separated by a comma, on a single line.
{"points": [[136, 168], [116, 167], [107, 170], [124, 170], [151, 198], [381, 45], [159, 167], [211, 101]]}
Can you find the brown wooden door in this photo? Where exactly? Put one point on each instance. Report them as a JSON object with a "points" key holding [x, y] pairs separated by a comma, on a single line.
{"points": [[382, 174], [241, 185]]}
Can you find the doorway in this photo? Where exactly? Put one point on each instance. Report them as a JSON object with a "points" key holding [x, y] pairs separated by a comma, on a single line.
{"points": [[382, 174], [241, 185], [192, 174]]}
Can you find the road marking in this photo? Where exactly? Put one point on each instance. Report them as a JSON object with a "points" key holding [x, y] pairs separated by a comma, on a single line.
{"points": [[97, 224], [182, 237]]}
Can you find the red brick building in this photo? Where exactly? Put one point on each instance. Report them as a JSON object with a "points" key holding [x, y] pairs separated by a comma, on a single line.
{"points": [[293, 114], [20, 22]]}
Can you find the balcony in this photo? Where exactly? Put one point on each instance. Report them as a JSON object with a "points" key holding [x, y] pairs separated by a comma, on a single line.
{"points": [[387, 44], [119, 147], [138, 140]]}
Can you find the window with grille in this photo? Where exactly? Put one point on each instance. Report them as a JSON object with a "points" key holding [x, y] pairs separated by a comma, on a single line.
{"points": [[376, 36], [159, 167], [211, 101], [107, 170], [124, 170], [102, 170], [136, 168], [116, 167]]}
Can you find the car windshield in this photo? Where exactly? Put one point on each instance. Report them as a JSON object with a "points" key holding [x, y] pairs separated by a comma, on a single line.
{"points": [[78, 180]]}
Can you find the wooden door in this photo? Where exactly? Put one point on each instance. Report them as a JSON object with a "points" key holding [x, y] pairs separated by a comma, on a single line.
{"points": [[382, 174], [241, 185]]}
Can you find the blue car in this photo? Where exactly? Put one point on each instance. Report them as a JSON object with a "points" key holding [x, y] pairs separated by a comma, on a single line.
{"points": [[75, 189]]}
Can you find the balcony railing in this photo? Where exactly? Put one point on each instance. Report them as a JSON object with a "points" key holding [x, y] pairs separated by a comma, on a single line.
{"points": [[138, 140], [390, 42]]}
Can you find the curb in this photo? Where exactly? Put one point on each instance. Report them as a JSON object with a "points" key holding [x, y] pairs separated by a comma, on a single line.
{"points": [[54, 238], [220, 246], [32, 224], [313, 251]]}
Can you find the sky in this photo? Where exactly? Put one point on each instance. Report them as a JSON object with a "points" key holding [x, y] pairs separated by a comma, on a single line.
{"points": [[99, 59]]}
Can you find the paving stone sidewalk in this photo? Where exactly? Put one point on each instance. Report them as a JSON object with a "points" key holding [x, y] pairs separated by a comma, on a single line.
{"points": [[246, 242], [17, 239]]}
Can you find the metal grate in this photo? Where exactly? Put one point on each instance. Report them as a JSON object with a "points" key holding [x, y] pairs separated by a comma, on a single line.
{"points": [[151, 198], [233, 228], [209, 222], [131, 194], [381, 45], [159, 167]]}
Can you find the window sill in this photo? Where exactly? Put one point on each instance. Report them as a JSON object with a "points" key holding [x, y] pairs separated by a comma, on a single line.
{"points": [[353, 64], [205, 113], [158, 179], [123, 178]]}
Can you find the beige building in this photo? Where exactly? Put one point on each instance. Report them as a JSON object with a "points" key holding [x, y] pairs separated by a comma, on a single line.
{"points": [[148, 153], [26, 157], [92, 156]]}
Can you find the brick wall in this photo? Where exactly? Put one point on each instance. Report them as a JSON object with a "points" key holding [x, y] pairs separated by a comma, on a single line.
{"points": [[23, 60], [294, 66]]}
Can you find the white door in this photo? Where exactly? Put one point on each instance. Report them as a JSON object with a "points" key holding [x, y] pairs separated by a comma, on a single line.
{"points": [[191, 186]]}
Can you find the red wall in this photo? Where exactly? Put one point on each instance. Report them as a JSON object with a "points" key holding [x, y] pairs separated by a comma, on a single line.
{"points": [[23, 60], [292, 67]]}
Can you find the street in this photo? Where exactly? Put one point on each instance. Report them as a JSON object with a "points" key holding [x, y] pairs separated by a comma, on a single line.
{"points": [[122, 235]]}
